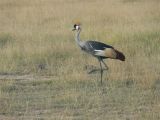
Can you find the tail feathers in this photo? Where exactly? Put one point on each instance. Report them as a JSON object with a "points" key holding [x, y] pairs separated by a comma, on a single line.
{"points": [[110, 53], [120, 55]]}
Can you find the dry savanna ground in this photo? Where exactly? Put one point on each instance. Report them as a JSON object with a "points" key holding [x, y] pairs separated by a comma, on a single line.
{"points": [[43, 72]]}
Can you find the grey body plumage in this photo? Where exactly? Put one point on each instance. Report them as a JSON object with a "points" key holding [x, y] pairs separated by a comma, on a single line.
{"points": [[93, 47], [97, 49]]}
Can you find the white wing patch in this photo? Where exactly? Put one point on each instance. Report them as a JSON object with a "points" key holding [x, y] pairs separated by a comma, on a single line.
{"points": [[108, 52], [100, 52]]}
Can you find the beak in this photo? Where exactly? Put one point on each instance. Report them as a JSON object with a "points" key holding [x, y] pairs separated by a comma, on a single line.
{"points": [[73, 29]]}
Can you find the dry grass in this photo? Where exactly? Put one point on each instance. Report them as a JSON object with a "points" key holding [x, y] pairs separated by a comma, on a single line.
{"points": [[36, 38]]}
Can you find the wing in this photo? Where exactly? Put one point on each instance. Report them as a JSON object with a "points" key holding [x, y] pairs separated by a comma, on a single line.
{"points": [[102, 50], [98, 45], [95, 48]]}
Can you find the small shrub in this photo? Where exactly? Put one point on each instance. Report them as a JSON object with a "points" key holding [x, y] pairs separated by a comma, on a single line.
{"points": [[5, 39]]}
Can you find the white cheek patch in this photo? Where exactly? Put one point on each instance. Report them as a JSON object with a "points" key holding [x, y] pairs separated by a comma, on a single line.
{"points": [[77, 27]]}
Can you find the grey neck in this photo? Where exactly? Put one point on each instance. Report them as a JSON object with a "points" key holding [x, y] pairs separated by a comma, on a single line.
{"points": [[77, 38]]}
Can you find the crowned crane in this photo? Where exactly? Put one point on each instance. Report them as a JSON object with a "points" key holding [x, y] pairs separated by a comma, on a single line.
{"points": [[97, 49]]}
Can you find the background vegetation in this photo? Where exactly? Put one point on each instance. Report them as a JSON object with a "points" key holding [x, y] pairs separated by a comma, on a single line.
{"points": [[43, 73]]}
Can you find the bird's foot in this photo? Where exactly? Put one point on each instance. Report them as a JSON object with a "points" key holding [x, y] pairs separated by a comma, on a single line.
{"points": [[90, 68], [93, 69], [107, 68]]}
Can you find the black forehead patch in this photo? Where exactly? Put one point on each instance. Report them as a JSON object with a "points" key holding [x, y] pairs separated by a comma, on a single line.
{"points": [[75, 25]]}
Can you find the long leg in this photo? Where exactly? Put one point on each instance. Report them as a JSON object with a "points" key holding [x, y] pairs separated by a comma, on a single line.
{"points": [[101, 70], [105, 65], [94, 70]]}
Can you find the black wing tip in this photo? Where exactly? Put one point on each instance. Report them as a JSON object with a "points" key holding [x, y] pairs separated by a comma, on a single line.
{"points": [[120, 56]]}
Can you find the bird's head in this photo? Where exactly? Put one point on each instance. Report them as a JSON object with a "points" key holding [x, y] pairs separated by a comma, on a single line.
{"points": [[76, 27]]}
